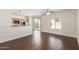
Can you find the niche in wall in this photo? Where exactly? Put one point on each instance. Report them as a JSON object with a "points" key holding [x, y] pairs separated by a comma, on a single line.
{"points": [[20, 20]]}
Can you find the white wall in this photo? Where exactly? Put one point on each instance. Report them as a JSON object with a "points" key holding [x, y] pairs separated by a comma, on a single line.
{"points": [[7, 32], [10, 33], [78, 27], [69, 23], [5, 17]]}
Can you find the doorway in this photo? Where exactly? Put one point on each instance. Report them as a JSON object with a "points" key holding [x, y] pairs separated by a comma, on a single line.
{"points": [[36, 24]]}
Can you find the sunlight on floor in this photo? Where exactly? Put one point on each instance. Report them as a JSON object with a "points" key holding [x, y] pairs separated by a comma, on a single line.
{"points": [[37, 39], [55, 43]]}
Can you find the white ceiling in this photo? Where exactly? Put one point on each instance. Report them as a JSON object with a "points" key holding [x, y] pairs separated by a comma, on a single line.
{"points": [[33, 12]]}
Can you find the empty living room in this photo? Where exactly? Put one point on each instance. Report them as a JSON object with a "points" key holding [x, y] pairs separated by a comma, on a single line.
{"points": [[39, 29]]}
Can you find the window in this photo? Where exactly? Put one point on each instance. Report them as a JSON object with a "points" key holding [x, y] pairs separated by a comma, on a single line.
{"points": [[53, 24], [56, 24]]}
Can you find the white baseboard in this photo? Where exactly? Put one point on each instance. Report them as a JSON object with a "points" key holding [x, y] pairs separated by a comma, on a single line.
{"points": [[73, 36]]}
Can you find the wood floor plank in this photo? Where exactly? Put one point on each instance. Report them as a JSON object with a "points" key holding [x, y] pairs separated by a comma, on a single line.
{"points": [[41, 41]]}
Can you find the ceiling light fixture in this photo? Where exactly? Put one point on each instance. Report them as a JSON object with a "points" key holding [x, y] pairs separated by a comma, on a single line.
{"points": [[48, 13]]}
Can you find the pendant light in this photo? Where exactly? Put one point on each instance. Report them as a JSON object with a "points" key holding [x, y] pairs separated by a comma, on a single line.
{"points": [[48, 12]]}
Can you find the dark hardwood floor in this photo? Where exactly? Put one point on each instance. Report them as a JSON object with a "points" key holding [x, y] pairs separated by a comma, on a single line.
{"points": [[41, 41]]}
